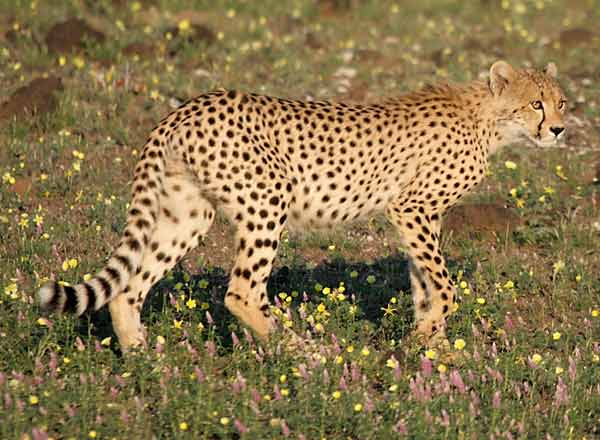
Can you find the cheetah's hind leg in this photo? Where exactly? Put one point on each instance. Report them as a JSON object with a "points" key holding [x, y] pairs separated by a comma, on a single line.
{"points": [[183, 219]]}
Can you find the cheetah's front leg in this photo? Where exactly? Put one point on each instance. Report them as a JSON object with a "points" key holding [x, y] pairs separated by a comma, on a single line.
{"points": [[432, 289]]}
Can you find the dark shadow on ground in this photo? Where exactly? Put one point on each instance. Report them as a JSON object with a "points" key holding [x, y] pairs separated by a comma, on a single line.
{"points": [[369, 285]]}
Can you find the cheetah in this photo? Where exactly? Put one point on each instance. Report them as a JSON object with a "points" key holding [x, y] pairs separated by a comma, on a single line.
{"points": [[268, 163]]}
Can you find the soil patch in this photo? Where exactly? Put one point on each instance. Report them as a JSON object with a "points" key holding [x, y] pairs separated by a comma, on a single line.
{"points": [[483, 218], [71, 35], [36, 98], [139, 49], [576, 37]]}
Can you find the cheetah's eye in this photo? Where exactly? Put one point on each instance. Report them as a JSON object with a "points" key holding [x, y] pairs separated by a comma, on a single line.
{"points": [[537, 105], [562, 104]]}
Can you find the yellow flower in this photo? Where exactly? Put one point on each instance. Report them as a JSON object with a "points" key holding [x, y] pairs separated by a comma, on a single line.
{"points": [[595, 313], [224, 421], [393, 388], [106, 341], [358, 407], [339, 360], [556, 336], [391, 363], [481, 300], [559, 370], [536, 358], [513, 192], [177, 324], [509, 285], [365, 352], [285, 392], [69, 264], [183, 426], [66, 360], [336, 394], [78, 62], [431, 354], [321, 307], [442, 368], [389, 310], [33, 400], [160, 340], [62, 60], [92, 434], [326, 291], [191, 303], [184, 25], [350, 349], [43, 321], [136, 6], [10, 289], [510, 165], [282, 378], [558, 266], [459, 344]]}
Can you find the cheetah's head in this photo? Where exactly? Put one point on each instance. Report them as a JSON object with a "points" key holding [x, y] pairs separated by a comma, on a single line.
{"points": [[530, 103]]}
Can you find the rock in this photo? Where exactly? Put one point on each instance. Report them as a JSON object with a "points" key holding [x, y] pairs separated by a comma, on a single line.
{"points": [[71, 35], [481, 218], [36, 98], [576, 37]]}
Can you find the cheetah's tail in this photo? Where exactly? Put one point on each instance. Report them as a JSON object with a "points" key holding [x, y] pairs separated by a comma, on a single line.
{"points": [[126, 258]]}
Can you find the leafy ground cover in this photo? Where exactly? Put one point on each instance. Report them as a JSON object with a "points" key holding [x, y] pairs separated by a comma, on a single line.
{"points": [[83, 82]]}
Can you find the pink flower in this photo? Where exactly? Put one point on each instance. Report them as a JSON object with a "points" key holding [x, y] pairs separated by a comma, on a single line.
{"points": [[561, 395], [210, 347], [445, 422], [572, 369], [255, 395], [199, 374], [426, 366], [496, 400], [285, 430], [401, 428], [303, 372], [38, 434], [234, 339], [248, 337], [240, 426], [457, 381], [343, 385]]}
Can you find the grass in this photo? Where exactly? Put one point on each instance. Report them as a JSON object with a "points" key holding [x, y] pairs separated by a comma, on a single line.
{"points": [[527, 329]]}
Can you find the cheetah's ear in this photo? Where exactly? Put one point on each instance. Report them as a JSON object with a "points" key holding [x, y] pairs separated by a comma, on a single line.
{"points": [[501, 73], [551, 70]]}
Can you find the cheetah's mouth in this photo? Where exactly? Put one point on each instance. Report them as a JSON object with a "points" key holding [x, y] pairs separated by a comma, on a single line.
{"points": [[549, 142]]}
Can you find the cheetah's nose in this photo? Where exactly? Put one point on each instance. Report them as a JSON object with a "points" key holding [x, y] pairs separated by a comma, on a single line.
{"points": [[557, 130]]}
